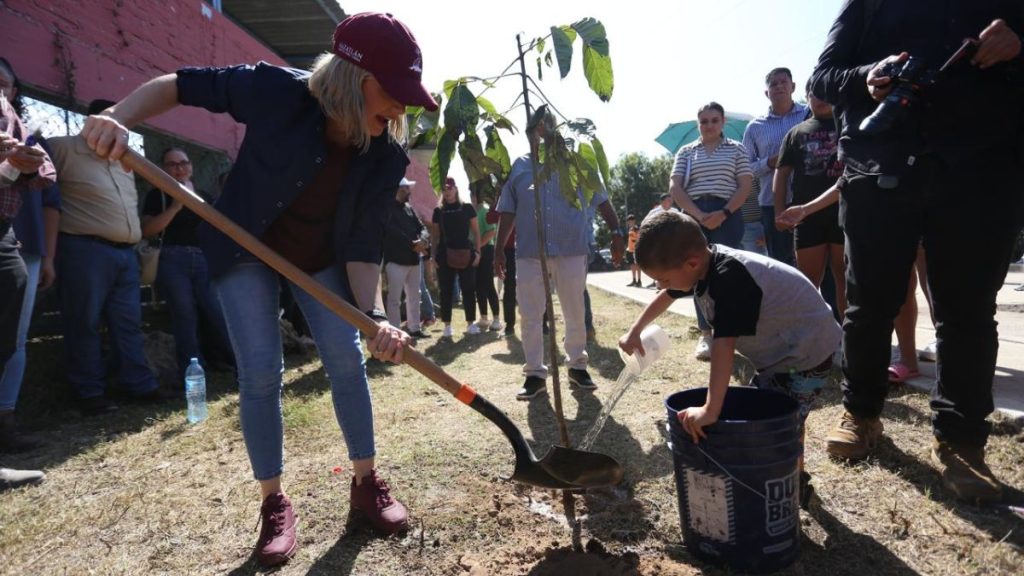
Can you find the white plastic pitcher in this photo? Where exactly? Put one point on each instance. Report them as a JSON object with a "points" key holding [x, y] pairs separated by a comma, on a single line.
{"points": [[655, 342]]}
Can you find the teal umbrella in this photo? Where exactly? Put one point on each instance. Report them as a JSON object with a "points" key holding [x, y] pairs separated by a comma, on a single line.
{"points": [[682, 133]]}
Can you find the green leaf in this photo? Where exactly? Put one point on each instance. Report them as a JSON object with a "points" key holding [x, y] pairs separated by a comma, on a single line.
{"points": [[540, 71], [593, 34], [487, 106], [597, 68], [450, 85], [496, 151], [597, 63], [462, 111], [540, 45], [441, 160], [562, 37], [602, 161], [548, 59], [586, 163], [477, 165]]}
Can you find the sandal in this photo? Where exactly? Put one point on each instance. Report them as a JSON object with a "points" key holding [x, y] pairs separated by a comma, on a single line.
{"points": [[899, 373]]}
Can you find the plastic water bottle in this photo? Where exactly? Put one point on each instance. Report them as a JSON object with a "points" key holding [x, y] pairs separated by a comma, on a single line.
{"points": [[195, 392], [655, 342]]}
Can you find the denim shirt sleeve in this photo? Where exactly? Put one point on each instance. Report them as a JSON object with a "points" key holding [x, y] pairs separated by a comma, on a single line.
{"points": [[219, 90]]}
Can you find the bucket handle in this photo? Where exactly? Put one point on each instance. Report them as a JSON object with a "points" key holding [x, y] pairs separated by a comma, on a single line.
{"points": [[729, 474]]}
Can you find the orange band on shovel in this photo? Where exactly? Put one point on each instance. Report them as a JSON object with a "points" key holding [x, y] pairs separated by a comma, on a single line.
{"points": [[465, 395]]}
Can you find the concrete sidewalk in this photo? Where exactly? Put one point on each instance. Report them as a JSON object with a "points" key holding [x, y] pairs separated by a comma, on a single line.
{"points": [[1008, 389]]}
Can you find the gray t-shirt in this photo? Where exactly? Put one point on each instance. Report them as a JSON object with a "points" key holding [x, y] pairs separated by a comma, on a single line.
{"points": [[777, 316]]}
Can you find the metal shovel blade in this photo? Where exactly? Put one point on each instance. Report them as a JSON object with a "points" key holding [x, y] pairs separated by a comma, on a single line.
{"points": [[568, 468], [560, 468]]}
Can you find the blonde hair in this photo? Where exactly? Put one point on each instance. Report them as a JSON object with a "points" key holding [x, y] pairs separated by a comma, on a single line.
{"points": [[337, 85]]}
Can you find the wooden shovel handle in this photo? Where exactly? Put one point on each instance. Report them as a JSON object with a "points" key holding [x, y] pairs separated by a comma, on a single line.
{"points": [[157, 177]]}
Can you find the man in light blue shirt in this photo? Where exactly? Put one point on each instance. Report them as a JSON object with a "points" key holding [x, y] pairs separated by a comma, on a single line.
{"points": [[762, 139], [566, 245]]}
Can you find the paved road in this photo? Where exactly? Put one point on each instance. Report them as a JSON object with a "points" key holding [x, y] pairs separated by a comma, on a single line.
{"points": [[1008, 389]]}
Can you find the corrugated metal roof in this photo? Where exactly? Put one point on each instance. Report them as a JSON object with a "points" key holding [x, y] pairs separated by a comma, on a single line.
{"points": [[298, 30]]}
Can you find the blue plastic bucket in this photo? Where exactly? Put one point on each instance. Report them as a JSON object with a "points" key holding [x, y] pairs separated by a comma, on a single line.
{"points": [[739, 501]]}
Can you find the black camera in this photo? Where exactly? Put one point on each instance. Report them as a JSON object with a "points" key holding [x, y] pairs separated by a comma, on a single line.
{"points": [[909, 80]]}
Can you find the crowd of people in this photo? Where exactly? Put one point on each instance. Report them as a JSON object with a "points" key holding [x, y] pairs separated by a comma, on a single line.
{"points": [[835, 206]]}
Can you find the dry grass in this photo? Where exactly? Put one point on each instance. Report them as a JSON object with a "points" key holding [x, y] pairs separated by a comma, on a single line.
{"points": [[143, 493]]}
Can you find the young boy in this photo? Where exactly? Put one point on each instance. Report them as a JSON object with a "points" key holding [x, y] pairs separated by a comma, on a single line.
{"points": [[764, 309], [634, 232]]}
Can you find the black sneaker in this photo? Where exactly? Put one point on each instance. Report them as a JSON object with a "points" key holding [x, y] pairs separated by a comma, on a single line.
{"points": [[580, 378], [96, 405], [534, 385], [419, 334]]}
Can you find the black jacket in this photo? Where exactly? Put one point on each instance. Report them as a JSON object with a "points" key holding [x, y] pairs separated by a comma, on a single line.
{"points": [[965, 115], [403, 227]]}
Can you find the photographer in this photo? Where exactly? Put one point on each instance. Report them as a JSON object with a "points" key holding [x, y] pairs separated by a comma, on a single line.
{"points": [[946, 163]]}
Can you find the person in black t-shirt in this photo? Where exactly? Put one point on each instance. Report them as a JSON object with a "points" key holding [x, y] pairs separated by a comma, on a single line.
{"points": [[404, 242], [454, 227], [809, 154], [182, 273]]}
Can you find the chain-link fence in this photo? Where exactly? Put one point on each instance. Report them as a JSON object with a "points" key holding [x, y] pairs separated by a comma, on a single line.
{"points": [[49, 121]]}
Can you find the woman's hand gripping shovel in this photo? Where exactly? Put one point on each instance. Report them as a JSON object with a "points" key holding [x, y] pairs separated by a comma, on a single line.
{"points": [[560, 468]]}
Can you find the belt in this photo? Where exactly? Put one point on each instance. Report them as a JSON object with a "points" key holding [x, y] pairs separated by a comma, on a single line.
{"points": [[101, 240]]}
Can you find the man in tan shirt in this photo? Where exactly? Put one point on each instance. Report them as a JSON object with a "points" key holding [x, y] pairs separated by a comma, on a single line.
{"points": [[99, 273]]}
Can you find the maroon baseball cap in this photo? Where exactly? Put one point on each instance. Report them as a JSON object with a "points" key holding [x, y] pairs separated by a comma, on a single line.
{"points": [[449, 181], [384, 47]]}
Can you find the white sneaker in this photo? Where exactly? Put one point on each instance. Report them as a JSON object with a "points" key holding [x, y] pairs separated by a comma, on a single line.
{"points": [[703, 350], [929, 353], [473, 329], [483, 322], [447, 331], [497, 326]]}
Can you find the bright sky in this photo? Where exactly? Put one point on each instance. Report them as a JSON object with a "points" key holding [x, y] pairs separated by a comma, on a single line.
{"points": [[668, 57]]}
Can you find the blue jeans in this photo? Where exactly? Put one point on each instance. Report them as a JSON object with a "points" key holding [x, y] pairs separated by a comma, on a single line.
{"points": [[14, 370], [730, 234], [778, 242], [182, 278], [753, 232], [248, 294], [100, 282]]}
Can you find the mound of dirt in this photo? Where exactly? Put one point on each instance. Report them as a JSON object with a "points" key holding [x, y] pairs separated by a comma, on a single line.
{"points": [[563, 561]]}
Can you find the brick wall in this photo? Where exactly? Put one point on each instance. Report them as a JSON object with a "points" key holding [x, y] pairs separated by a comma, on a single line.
{"points": [[113, 46]]}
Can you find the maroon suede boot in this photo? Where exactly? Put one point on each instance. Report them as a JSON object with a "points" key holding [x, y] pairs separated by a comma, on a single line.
{"points": [[276, 543], [372, 499]]}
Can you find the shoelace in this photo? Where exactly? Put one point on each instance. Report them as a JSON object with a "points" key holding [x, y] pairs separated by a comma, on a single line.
{"points": [[383, 497], [272, 518]]}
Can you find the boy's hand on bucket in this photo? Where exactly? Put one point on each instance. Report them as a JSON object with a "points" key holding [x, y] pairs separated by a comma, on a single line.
{"points": [[695, 419]]}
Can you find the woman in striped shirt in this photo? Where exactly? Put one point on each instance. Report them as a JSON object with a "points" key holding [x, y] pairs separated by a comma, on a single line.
{"points": [[710, 181]]}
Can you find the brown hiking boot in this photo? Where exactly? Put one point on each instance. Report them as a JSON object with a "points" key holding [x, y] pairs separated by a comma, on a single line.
{"points": [[854, 438], [276, 543], [372, 499], [964, 472]]}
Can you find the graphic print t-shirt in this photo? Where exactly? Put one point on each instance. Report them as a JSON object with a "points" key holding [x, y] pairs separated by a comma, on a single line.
{"points": [[810, 148]]}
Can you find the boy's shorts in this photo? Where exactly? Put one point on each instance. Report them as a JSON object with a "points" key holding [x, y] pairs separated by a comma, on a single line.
{"points": [[804, 387], [630, 258]]}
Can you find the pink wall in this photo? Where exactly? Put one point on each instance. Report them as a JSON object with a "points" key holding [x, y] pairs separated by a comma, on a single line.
{"points": [[116, 45]]}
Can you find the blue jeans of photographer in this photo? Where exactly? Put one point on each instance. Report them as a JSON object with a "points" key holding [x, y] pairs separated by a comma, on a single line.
{"points": [[248, 294]]}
